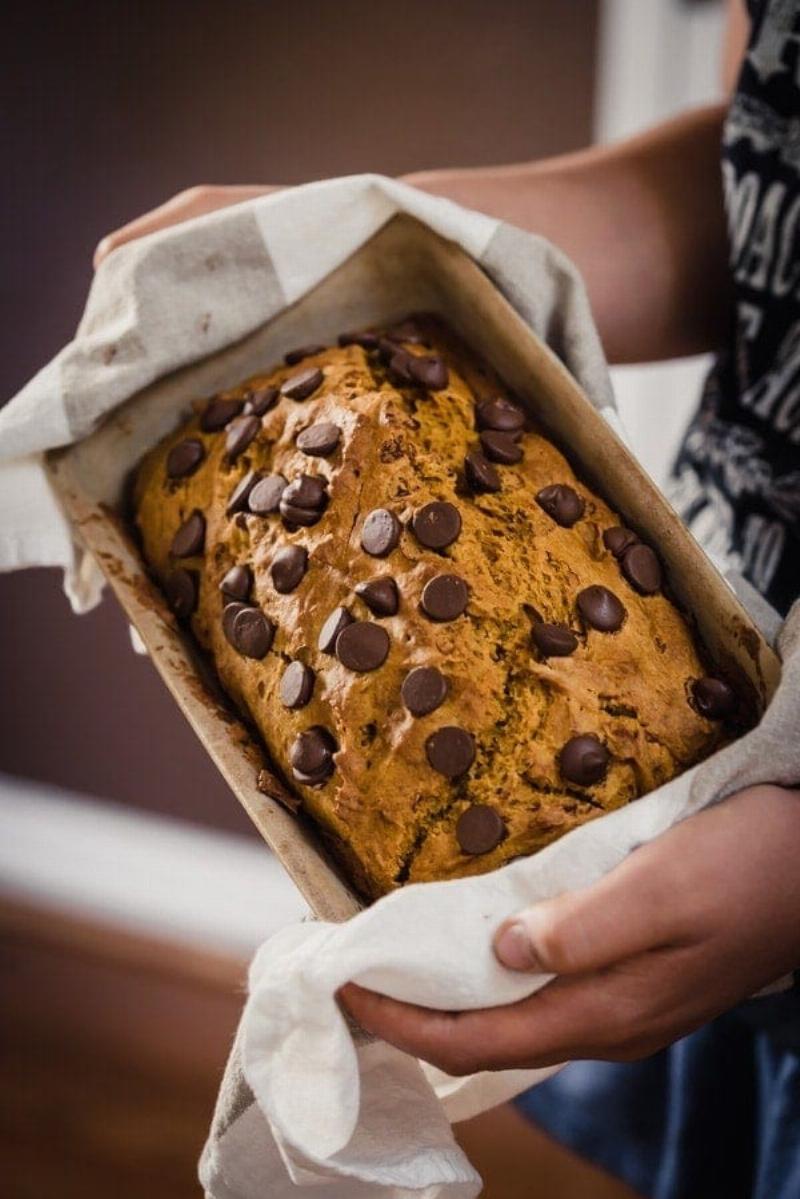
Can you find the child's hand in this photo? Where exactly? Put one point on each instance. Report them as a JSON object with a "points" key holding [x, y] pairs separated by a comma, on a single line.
{"points": [[682, 930], [195, 201]]}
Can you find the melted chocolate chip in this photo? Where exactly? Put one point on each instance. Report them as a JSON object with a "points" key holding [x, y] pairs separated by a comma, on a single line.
{"points": [[237, 501], [618, 539], [562, 503], [297, 685], [218, 413], [184, 458], [450, 751], [240, 433], [190, 537], [380, 596], [642, 569], [429, 372], [479, 473], [554, 640], [311, 756], [584, 760], [500, 414], [362, 645], [339, 619], [251, 633], [237, 583], [480, 829], [437, 524], [713, 698], [295, 356], [380, 532], [500, 447], [367, 341], [423, 690], [601, 609], [181, 592], [265, 496], [319, 440], [288, 567], [444, 597], [303, 384], [261, 400]]}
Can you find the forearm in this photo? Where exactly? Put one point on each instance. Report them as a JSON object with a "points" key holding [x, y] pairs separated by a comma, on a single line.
{"points": [[643, 220]]}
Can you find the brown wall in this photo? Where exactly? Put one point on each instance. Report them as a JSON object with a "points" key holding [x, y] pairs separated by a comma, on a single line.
{"points": [[113, 105]]}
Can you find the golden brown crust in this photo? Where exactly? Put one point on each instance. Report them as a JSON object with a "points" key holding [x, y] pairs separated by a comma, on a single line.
{"points": [[400, 448]]}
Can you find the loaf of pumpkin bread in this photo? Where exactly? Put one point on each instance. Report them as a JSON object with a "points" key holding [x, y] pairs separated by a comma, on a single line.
{"points": [[453, 650]]}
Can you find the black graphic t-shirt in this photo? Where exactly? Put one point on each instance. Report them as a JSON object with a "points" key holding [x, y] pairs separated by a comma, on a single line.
{"points": [[736, 480]]}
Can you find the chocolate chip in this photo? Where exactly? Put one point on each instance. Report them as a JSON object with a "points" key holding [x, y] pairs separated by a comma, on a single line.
{"points": [[295, 356], [288, 567], [311, 756], [184, 458], [319, 440], [362, 645], [436, 525], [218, 413], [554, 640], [444, 597], [562, 503], [479, 473], [642, 569], [601, 609], [251, 633], [399, 367], [500, 414], [450, 750], [480, 829], [423, 690], [303, 384], [237, 501], [387, 349], [237, 583], [239, 435], [500, 447], [380, 596], [297, 685], [294, 516], [584, 760], [408, 331], [229, 612], [713, 698], [618, 539], [429, 372], [261, 400], [190, 537], [265, 496], [380, 532], [339, 619], [367, 341], [181, 592], [304, 500]]}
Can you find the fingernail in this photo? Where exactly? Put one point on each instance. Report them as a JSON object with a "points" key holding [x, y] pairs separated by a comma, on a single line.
{"points": [[514, 949]]}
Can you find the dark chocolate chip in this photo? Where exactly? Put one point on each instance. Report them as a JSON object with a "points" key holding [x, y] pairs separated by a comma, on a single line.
{"points": [[295, 356], [450, 750], [367, 341], [387, 349], [311, 755], [430, 372], [584, 760], [218, 413], [240, 433], [713, 698], [229, 612], [480, 829], [303, 384], [479, 472], [265, 496], [184, 458], [241, 493], [181, 592], [642, 569], [190, 537], [562, 503], [339, 619], [297, 685], [380, 532], [380, 596], [437, 524], [307, 491], [500, 414], [500, 447], [261, 400], [288, 567], [362, 645], [554, 640], [319, 440], [299, 517], [601, 609], [237, 583], [399, 371], [618, 539], [444, 597], [251, 633], [423, 690]]}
